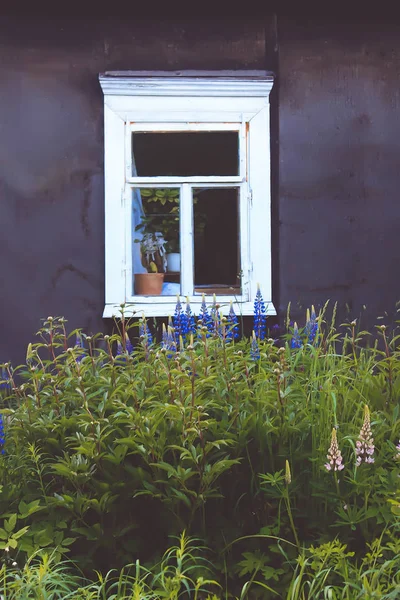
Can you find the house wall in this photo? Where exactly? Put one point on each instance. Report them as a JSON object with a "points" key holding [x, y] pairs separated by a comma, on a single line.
{"points": [[51, 150], [335, 137], [339, 176]]}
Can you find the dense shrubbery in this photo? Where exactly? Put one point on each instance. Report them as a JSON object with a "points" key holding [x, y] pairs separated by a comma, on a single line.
{"points": [[280, 460]]}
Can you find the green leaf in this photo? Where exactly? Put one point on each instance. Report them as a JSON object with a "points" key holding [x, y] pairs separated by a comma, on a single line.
{"points": [[20, 532], [28, 509], [10, 524]]}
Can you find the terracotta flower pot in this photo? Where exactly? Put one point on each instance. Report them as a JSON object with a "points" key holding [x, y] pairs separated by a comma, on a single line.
{"points": [[149, 284]]}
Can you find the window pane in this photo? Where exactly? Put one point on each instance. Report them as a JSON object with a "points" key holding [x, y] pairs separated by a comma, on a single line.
{"points": [[155, 236], [216, 241], [185, 154]]}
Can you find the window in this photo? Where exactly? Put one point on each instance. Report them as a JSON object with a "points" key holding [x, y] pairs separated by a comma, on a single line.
{"points": [[187, 190]]}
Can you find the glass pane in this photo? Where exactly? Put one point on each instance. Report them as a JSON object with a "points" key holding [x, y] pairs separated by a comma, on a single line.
{"points": [[185, 154], [155, 241], [216, 241]]}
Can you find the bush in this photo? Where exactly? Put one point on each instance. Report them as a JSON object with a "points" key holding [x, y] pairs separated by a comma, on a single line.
{"points": [[108, 455]]}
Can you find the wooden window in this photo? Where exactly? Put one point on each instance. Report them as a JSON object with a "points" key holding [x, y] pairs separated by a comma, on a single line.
{"points": [[187, 158]]}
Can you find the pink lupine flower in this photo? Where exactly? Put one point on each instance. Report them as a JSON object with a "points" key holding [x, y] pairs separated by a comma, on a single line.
{"points": [[365, 444], [334, 455], [397, 455]]}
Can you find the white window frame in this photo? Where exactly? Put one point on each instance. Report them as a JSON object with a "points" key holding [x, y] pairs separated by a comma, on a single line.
{"points": [[187, 103]]}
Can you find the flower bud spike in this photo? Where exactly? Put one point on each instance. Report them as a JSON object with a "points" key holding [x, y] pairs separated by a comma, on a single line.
{"points": [[288, 475], [254, 349]]}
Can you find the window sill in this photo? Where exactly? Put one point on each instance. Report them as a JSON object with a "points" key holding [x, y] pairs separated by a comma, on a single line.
{"points": [[155, 309]]}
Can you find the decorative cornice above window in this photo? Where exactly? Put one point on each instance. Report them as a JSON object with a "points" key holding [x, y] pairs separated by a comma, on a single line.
{"points": [[187, 83]]}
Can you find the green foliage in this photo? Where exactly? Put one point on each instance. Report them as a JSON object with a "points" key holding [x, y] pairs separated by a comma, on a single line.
{"points": [[108, 457], [161, 208]]}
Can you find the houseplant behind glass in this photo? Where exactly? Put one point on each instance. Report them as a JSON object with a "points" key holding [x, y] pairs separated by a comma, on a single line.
{"points": [[152, 255], [162, 216]]}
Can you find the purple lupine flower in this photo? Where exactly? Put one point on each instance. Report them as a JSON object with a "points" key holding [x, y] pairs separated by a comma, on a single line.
{"points": [[179, 320], [119, 349], [128, 344], [189, 319], [5, 379], [232, 324], [204, 317], [254, 349], [260, 317], [144, 332], [365, 444], [120, 354], [2, 436], [164, 338], [334, 456], [311, 328], [79, 344], [168, 342], [296, 339]]}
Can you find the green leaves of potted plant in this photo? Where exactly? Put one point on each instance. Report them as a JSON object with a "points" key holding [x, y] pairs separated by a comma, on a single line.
{"points": [[157, 204]]}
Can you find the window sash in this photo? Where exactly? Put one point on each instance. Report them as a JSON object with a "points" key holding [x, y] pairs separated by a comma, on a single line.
{"points": [[240, 127], [186, 243]]}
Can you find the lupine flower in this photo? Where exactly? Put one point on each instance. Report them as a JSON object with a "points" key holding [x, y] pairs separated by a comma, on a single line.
{"points": [[179, 320], [215, 318], [189, 319], [260, 317], [79, 344], [120, 354], [2, 436], [204, 317], [5, 380], [288, 475], [296, 339], [397, 455], [168, 340], [232, 324], [311, 328], [254, 349], [334, 455], [128, 344], [275, 329], [144, 332], [365, 443], [164, 338], [120, 349]]}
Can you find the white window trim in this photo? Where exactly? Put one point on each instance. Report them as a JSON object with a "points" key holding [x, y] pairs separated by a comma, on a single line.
{"points": [[186, 103]]}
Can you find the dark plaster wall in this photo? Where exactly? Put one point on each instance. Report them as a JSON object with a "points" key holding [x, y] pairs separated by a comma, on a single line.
{"points": [[51, 148], [339, 175], [335, 147]]}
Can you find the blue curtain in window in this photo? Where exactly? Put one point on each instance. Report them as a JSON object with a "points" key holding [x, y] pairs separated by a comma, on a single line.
{"points": [[137, 214]]}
